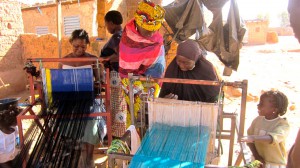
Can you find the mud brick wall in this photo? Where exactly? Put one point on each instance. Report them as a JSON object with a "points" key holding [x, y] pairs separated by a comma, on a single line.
{"points": [[12, 76], [45, 46], [46, 15]]}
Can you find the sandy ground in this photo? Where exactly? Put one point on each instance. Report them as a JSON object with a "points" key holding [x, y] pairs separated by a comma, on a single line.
{"points": [[270, 66]]}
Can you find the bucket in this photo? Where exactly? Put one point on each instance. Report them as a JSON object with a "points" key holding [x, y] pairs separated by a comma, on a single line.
{"points": [[7, 102]]}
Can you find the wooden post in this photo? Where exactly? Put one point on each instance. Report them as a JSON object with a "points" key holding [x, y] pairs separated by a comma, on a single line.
{"points": [[59, 21]]}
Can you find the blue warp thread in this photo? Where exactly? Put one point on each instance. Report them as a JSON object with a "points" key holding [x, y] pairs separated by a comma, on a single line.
{"points": [[167, 146]]}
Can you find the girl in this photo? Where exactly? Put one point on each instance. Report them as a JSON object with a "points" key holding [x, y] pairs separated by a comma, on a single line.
{"points": [[8, 138], [267, 133]]}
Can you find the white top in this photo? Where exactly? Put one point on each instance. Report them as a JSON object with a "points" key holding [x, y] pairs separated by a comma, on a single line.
{"points": [[8, 143], [73, 67]]}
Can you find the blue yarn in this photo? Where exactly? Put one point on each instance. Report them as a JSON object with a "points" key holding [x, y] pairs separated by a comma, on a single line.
{"points": [[70, 80], [167, 146]]}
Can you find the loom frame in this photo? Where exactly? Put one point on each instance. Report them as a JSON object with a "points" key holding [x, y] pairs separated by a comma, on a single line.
{"points": [[235, 126], [34, 84]]}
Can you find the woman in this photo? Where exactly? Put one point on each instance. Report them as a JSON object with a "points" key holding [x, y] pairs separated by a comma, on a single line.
{"points": [[141, 52], [141, 47], [79, 40], [110, 51], [190, 64]]}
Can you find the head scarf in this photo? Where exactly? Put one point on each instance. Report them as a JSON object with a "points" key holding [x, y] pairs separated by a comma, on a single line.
{"points": [[149, 16], [189, 49], [203, 70]]}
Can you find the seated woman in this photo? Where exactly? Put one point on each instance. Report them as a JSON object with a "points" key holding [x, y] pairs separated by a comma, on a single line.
{"points": [[189, 63]]}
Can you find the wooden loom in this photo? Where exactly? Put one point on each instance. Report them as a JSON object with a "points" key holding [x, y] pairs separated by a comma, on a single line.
{"points": [[221, 134], [34, 84]]}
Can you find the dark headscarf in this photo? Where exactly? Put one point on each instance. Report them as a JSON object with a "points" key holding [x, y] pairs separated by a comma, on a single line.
{"points": [[203, 70]]}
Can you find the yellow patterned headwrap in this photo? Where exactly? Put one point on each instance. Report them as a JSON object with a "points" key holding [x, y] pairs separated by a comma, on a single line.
{"points": [[149, 16]]}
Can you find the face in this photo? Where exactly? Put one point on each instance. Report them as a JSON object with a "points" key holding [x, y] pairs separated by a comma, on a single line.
{"points": [[184, 63], [266, 108], [144, 32], [79, 47], [110, 27], [6, 129]]}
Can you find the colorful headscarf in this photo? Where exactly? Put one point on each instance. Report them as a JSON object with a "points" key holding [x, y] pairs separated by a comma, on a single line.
{"points": [[140, 55], [149, 16]]}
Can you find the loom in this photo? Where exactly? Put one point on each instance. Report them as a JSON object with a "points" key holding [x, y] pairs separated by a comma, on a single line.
{"points": [[64, 95], [171, 121]]}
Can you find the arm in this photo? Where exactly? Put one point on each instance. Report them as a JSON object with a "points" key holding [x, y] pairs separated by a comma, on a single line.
{"points": [[98, 72], [60, 65], [257, 138], [250, 139], [295, 153], [255, 153]]}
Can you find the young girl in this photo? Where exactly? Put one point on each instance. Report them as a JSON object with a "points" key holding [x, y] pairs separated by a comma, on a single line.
{"points": [[8, 138], [267, 133]]}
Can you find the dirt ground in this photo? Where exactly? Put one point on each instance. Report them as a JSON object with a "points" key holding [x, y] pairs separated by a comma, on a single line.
{"points": [[270, 66]]}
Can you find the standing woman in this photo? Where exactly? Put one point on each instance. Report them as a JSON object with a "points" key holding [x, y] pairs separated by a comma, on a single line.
{"points": [[79, 41], [141, 48], [141, 52]]}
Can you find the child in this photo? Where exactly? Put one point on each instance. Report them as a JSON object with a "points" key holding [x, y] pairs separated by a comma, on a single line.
{"points": [[110, 51], [8, 137], [267, 133]]}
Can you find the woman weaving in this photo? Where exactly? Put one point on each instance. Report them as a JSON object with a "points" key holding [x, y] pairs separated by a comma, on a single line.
{"points": [[189, 63], [79, 41]]}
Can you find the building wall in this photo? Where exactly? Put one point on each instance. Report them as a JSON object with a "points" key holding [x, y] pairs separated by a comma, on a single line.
{"points": [[12, 76], [47, 16], [45, 46], [282, 31], [17, 46], [257, 32]]}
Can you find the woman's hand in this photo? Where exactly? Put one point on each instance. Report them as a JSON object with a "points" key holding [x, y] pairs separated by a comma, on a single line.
{"points": [[171, 96]]}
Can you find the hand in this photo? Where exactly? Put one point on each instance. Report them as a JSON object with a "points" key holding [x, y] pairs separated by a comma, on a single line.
{"points": [[248, 139], [104, 59], [171, 96], [262, 161]]}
